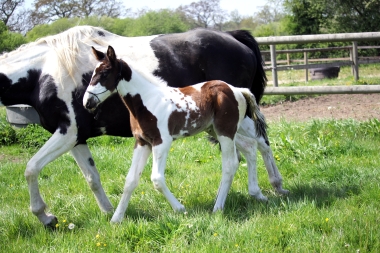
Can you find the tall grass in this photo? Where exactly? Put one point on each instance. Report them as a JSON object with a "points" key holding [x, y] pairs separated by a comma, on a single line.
{"points": [[330, 167]]}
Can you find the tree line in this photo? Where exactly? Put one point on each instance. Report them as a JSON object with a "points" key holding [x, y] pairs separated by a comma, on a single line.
{"points": [[19, 25]]}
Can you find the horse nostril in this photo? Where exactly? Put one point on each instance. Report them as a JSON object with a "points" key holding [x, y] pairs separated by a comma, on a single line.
{"points": [[88, 104]]}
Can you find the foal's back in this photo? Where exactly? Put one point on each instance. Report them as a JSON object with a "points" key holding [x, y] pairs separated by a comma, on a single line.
{"points": [[210, 106]]}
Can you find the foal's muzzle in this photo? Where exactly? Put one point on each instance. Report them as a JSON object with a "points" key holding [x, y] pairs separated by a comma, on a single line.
{"points": [[92, 103]]}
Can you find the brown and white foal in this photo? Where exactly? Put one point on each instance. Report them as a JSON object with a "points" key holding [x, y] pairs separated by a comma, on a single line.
{"points": [[160, 114]]}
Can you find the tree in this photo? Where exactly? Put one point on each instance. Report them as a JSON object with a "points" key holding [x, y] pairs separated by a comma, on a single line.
{"points": [[9, 40], [14, 16], [205, 13], [46, 11], [305, 16]]}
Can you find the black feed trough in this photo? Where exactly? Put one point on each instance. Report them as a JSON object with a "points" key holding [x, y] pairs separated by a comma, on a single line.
{"points": [[327, 72]]}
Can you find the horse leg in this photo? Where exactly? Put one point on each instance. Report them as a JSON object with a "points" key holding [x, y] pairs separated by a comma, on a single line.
{"points": [[160, 154], [140, 157], [57, 145], [230, 165], [248, 146], [247, 128], [83, 157]]}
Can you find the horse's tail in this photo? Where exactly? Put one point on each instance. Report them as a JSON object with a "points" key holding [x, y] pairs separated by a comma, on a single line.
{"points": [[253, 111], [260, 78]]}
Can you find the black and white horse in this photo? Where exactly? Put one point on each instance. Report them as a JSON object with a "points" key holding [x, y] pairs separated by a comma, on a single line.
{"points": [[160, 114], [53, 73]]}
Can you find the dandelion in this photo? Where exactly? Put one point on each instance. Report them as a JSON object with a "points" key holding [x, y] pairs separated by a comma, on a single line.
{"points": [[277, 157], [97, 236], [64, 221], [98, 244], [57, 225], [142, 193], [104, 245], [172, 149], [71, 226], [236, 245], [215, 234], [327, 219]]}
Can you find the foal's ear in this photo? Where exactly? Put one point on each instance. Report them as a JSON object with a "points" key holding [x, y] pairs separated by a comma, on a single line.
{"points": [[111, 54], [98, 55]]}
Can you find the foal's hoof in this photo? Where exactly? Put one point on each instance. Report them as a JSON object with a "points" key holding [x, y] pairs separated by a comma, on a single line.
{"points": [[52, 224]]}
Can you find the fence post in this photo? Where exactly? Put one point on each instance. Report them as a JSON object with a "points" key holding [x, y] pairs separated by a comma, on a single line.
{"points": [[352, 61], [355, 60], [306, 67], [274, 64]]}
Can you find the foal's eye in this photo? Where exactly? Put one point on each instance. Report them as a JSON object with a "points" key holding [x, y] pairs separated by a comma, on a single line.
{"points": [[103, 74]]}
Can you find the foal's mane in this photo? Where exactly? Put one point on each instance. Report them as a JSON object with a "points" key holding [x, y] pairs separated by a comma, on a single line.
{"points": [[66, 45]]}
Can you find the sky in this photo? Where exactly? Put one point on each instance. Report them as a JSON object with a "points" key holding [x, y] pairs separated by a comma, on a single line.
{"points": [[244, 7]]}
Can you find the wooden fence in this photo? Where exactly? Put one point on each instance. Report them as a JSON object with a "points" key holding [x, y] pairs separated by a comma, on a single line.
{"points": [[354, 60]]}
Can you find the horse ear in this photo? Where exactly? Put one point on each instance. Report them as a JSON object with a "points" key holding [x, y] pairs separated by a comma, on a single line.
{"points": [[98, 55], [111, 54]]}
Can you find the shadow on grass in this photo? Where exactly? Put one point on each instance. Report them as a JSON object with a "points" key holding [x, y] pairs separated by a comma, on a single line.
{"points": [[240, 206]]}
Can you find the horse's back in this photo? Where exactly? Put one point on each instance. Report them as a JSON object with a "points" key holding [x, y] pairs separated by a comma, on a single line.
{"points": [[202, 55]]}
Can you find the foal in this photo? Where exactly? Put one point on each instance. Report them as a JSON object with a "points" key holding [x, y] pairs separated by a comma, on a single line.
{"points": [[159, 115]]}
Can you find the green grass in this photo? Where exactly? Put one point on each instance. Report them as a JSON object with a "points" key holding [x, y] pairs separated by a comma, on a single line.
{"points": [[330, 167]]}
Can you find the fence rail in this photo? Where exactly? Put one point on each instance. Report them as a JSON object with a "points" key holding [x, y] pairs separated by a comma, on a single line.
{"points": [[354, 61]]}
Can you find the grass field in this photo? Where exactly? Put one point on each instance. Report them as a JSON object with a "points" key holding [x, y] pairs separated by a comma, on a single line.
{"points": [[330, 167]]}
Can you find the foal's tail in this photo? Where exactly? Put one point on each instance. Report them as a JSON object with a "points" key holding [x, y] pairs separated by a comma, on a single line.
{"points": [[253, 111]]}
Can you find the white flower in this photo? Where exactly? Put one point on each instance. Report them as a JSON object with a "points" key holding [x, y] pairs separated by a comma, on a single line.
{"points": [[71, 226]]}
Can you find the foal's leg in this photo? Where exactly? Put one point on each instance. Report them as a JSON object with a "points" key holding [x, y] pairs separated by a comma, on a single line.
{"points": [[248, 146], [160, 154], [230, 164], [139, 160], [83, 157], [57, 145], [247, 128]]}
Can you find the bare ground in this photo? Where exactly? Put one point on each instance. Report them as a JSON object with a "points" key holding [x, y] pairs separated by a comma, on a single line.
{"points": [[340, 106]]}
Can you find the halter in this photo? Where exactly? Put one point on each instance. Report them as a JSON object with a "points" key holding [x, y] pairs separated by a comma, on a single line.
{"points": [[118, 79]]}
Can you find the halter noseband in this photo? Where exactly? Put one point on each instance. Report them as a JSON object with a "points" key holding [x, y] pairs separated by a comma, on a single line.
{"points": [[118, 79]]}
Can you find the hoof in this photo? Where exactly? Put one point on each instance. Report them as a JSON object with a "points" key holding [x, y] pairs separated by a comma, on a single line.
{"points": [[52, 224], [260, 197]]}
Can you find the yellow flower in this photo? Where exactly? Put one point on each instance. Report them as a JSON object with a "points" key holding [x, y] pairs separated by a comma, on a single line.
{"points": [[57, 225], [64, 221], [97, 236], [98, 244], [327, 219], [104, 244], [215, 234]]}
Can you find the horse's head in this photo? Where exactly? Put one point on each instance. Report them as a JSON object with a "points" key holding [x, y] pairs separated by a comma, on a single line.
{"points": [[105, 79]]}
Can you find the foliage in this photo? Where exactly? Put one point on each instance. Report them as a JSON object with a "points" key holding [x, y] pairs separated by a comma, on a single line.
{"points": [[9, 40], [156, 22], [152, 22]]}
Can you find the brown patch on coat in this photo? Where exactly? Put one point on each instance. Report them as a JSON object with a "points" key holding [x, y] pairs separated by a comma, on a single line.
{"points": [[143, 122], [214, 100]]}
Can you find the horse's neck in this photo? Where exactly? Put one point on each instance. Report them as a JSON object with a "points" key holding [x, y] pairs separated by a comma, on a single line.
{"points": [[145, 86]]}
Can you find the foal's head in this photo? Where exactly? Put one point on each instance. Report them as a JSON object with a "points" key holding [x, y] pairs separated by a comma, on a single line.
{"points": [[106, 77]]}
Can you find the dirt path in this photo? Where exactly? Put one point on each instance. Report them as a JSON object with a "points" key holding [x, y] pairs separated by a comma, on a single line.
{"points": [[340, 106]]}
